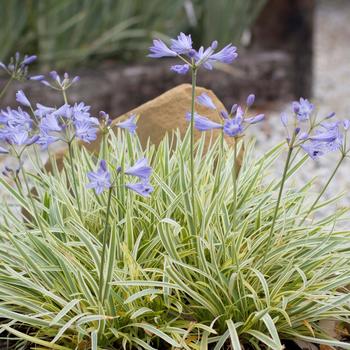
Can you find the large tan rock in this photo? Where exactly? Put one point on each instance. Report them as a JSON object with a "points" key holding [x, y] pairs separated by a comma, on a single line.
{"points": [[163, 114], [167, 112]]}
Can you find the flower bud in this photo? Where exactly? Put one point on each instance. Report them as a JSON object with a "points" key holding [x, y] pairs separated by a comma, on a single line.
{"points": [[37, 77], [331, 115], [234, 108], [29, 60], [250, 100], [303, 136]]}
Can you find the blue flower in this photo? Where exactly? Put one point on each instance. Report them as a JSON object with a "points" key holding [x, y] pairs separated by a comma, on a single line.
{"points": [[303, 109], [206, 101], [181, 45], [256, 119], [142, 188], [22, 99], [202, 123], [129, 124], [46, 139], [233, 127], [226, 55], [13, 118], [18, 136], [101, 179], [17, 68], [58, 83], [327, 139], [159, 49], [202, 57], [85, 130], [314, 149], [49, 123], [180, 68], [42, 110], [141, 169]]}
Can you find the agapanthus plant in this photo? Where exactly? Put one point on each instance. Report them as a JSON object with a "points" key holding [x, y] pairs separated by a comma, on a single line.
{"points": [[182, 48], [233, 125], [102, 180]]}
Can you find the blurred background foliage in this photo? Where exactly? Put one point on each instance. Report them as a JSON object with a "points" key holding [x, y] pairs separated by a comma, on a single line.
{"points": [[71, 32]]}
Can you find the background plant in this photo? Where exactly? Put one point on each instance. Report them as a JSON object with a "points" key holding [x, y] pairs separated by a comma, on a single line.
{"points": [[71, 31]]}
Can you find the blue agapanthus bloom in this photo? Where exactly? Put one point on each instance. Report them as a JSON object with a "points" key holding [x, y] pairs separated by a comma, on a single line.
{"points": [[328, 138], [12, 118], [233, 124], [18, 68], [182, 47], [100, 180], [141, 169], [303, 109], [57, 83], [129, 124], [66, 123], [203, 123], [143, 188]]}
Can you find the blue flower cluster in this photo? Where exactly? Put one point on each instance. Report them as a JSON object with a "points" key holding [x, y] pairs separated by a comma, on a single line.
{"points": [[233, 124], [315, 138], [101, 179], [18, 68], [182, 48]]}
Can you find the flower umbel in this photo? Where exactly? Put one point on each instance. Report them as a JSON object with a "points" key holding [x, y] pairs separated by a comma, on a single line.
{"points": [[182, 48], [232, 125]]}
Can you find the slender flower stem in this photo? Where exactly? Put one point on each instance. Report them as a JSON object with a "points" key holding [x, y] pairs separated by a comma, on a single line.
{"points": [[284, 176], [74, 178], [104, 246], [234, 200], [36, 214], [324, 188], [5, 87], [234, 181], [194, 78], [64, 96]]}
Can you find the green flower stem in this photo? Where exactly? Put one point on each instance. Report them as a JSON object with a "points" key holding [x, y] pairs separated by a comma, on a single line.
{"points": [[234, 201], [6, 87], [284, 176], [74, 178], [64, 96], [324, 188], [104, 246], [194, 79], [234, 181], [36, 214]]}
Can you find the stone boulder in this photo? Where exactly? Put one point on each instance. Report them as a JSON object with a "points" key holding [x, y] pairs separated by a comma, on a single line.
{"points": [[162, 115], [167, 112]]}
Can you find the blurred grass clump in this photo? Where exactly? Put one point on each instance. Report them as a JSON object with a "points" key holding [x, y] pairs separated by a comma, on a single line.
{"points": [[72, 31]]}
